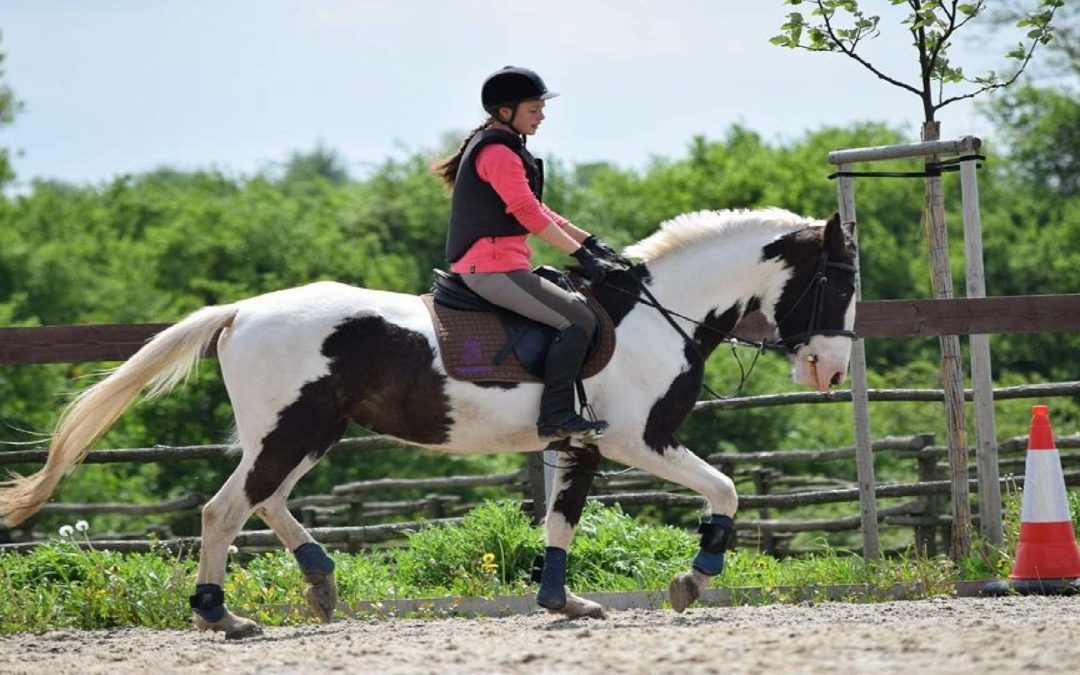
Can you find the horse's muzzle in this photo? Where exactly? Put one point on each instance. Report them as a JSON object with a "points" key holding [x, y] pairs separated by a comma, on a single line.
{"points": [[822, 364]]}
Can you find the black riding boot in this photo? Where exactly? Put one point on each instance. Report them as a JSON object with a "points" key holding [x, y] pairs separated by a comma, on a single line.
{"points": [[558, 417]]}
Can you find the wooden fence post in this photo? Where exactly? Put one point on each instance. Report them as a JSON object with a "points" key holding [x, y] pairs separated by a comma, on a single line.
{"points": [[952, 373], [864, 455], [986, 455], [356, 509], [728, 469], [926, 533], [766, 541]]}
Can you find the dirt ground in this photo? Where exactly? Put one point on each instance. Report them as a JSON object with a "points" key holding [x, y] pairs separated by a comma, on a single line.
{"points": [[1002, 635]]}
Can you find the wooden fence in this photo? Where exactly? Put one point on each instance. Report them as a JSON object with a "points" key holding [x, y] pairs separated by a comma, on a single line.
{"points": [[763, 486], [873, 319], [338, 519]]}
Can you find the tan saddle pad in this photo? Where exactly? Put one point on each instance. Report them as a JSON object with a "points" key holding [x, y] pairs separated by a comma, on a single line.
{"points": [[469, 342]]}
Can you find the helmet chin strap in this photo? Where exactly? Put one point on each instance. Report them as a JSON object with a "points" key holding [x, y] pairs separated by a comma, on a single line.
{"points": [[510, 122]]}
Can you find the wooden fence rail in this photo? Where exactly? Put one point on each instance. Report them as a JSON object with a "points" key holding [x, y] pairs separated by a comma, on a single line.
{"points": [[349, 501], [876, 319], [164, 453], [184, 453], [261, 539], [355, 536], [349, 493], [873, 319]]}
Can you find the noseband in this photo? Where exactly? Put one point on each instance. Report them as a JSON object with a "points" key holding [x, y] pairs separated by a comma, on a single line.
{"points": [[819, 284]]}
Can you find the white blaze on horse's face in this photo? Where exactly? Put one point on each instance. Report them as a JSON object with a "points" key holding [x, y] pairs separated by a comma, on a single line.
{"points": [[823, 362]]}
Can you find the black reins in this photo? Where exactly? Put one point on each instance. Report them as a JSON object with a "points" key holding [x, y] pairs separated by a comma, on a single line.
{"points": [[734, 340]]}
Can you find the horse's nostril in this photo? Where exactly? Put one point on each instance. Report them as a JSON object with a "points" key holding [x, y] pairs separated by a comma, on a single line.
{"points": [[835, 379]]}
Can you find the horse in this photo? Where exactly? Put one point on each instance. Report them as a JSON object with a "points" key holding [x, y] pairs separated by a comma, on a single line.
{"points": [[299, 364]]}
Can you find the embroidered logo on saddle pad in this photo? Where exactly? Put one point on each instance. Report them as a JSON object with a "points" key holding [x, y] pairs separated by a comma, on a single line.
{"points": [[481, 347]]}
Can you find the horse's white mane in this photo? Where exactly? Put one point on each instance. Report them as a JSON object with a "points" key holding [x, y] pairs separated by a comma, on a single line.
{"points": [[689, 230]]}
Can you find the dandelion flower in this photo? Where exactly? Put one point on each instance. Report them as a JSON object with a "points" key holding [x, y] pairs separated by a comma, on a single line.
{"points": [[233, 550], [82, 526], [66, 531]]}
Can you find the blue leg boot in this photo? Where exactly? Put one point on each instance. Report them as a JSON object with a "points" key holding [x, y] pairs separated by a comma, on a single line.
{"points": [[709, 561], [208, 603], [552, 593], [318, 569]]}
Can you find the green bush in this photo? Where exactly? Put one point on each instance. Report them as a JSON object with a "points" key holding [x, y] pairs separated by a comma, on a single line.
{"points": [[489, 553], [452, 558]]}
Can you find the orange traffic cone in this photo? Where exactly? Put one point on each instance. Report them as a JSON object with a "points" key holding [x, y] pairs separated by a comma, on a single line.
{"points": [[1047, 558]]}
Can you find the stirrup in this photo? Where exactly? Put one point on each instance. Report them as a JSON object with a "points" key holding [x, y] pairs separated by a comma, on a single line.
{"points": [[576, 428]]}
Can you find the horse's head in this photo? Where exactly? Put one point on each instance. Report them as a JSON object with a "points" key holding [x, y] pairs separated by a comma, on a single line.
{"points": [[815, 312]]}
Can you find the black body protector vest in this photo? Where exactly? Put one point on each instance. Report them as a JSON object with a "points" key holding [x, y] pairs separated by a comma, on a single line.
{"points": [[478, 211]]}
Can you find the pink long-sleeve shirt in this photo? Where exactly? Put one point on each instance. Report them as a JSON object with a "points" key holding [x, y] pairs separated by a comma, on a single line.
{"points": [[502, 168]]}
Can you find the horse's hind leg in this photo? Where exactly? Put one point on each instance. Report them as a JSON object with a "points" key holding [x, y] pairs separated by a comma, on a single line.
{"points": [[271, 466], [316, 565], [222, 518], [570, 487]]}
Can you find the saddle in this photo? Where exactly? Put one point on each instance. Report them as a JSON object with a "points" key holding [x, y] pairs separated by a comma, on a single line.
{"points": [[482, 342]]}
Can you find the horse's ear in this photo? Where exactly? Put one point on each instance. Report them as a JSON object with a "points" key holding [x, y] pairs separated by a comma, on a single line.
{"points": [[835, 239]]}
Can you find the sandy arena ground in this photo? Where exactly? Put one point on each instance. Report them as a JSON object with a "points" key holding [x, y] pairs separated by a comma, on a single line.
{"points": [[1004, 635]]}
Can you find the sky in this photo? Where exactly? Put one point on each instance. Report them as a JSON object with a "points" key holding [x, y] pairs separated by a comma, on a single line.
{"points": [[113, 87]]}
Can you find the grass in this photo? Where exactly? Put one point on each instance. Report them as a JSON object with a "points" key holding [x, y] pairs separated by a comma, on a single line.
{"points": [[490, 553]]}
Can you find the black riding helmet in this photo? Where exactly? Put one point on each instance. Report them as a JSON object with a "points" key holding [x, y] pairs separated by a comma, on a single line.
{"points": [[511, 85]]}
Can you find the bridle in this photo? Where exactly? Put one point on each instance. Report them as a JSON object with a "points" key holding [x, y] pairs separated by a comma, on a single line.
{"points": [[818, 284], [789, 344]]}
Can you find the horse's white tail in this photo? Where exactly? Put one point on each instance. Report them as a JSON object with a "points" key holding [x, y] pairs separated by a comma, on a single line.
{"points": [[161, 364]]}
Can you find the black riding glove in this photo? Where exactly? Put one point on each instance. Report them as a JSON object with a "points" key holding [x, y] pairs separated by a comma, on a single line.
{"points": [[602, 250], [595, 269]]}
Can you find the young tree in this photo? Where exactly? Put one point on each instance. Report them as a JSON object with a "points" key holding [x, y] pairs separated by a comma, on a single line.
{"points": [[843, 27]]}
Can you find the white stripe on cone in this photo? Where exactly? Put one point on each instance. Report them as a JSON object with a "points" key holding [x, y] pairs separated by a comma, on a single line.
{"points": [[1044, 489]]}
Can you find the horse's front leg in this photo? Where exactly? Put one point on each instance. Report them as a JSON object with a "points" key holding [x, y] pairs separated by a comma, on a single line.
{"points": [[574, 473], [679, 465]]}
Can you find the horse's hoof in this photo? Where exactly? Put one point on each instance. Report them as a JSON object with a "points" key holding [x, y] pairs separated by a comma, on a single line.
{"points": [[552, 598], [683, 591], [234, 627], [322, 595], [577, 607], [242, 629]]}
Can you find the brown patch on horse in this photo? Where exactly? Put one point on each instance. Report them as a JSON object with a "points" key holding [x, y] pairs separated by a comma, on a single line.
{"points": [[469, 342], [580, 464], [669, 411], [382, 376], [306, 427], [386, 378]]}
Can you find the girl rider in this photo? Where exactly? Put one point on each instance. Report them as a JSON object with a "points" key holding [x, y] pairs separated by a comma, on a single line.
{"points": [[496, 190]]}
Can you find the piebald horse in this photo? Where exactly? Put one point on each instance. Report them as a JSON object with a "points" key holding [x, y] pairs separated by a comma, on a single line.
{"points": [[300, 363]]}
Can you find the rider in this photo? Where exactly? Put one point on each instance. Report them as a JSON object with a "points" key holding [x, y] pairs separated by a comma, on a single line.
{"points": [[496, 190]]}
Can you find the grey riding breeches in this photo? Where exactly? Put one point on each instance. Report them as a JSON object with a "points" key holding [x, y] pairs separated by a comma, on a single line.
{"points": [[534, 297]]}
